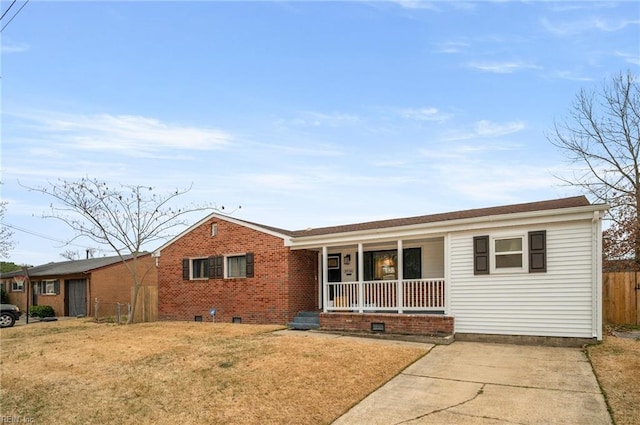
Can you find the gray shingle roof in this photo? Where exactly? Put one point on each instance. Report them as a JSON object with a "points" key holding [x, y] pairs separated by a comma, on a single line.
{"points": [[572, 202], [576, 201], [69, 267]]}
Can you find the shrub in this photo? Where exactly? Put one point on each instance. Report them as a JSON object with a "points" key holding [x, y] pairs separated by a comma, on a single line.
{"points": [[3, 296], [41, 311]]}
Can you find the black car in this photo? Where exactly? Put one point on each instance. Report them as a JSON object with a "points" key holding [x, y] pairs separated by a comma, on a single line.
{"points": [[8, 315]]}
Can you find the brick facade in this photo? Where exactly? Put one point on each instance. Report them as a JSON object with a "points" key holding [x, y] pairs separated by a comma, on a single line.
{"points": [[407, 324], [284, 282], [114, 284], [109, 284]]}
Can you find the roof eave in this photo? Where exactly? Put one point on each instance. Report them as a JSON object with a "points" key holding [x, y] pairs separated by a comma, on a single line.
{"points": [[441, 227], [218, 216]]}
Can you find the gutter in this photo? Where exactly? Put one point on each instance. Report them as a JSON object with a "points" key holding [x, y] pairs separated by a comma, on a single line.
{"points": [[442, 227]]}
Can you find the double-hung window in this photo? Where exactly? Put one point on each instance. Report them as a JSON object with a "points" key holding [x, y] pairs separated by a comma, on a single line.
{"points": [[237, 266], [49, 287], [510, 253], [17, 287], [199, 268], [218, 267]]}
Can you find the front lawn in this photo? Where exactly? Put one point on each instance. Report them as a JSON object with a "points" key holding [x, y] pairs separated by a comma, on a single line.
{"points": [[80, 372], [617, 365]]}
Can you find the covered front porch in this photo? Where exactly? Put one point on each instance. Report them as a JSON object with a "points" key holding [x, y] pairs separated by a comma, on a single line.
{"points": [[375, 278]]}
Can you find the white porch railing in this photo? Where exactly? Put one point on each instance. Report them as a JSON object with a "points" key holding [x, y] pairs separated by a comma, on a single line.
{"points": [[382, 295]]}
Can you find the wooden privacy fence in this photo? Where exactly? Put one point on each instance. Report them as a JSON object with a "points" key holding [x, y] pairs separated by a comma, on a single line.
{"points": [[147, 304], [621, 298]]}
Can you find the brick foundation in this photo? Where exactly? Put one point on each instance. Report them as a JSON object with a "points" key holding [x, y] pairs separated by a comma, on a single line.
{"points": [[406, 324]]}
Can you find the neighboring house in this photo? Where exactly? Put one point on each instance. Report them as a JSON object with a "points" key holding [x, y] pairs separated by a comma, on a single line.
{"points": [[531, 269], [72, 287]]}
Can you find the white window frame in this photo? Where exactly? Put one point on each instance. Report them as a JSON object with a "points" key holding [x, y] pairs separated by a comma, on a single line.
{"points": [[17, 287], [48, 287], [214, 229], [525, 257], [192, 268], [243, 271]]}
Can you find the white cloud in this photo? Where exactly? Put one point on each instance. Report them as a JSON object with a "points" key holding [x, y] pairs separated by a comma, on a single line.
{"points": [[568, 28], [435, 5], [417, 4], [424, 114], [451, 47], [14, 48], [131, 135], [571, 75], [320, 119], [315, 150], [492, 183], [486, 129], [505, 67], [465, 151], [632, 58]]}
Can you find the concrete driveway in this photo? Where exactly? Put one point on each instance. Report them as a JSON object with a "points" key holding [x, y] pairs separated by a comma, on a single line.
{"points": [[478, 383]]}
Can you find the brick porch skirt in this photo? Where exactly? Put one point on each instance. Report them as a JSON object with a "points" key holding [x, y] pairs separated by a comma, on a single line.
{"points": [[406, 324]]}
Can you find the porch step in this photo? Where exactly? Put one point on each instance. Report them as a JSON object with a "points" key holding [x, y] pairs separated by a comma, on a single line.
{"points": [[305, 320]]}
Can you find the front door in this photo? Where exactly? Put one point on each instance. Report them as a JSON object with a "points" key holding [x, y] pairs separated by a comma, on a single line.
{"points": [[76, 297]]}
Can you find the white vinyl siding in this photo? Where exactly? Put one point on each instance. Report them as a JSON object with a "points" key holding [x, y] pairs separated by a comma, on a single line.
{"points": [[555, 303], [433, 259]]}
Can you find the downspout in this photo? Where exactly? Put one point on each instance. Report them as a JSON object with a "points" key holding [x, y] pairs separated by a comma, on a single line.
{"points": [[596, 275]]}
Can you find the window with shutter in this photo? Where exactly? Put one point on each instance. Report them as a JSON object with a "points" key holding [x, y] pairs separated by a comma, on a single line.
{"points": [[50, 287], [508, 253], [237, 266], [481, 255], [538, 251], [200, 268]]}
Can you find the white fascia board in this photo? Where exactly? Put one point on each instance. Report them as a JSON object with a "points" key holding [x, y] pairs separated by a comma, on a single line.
{"points": [[440, 228], [218, 216]]}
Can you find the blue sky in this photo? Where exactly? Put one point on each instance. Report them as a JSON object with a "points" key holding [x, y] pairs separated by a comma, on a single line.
{"points": [[306, 114]]}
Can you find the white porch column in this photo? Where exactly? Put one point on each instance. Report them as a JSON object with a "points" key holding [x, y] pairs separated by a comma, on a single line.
{"points": [[360, 278], [400, 267], [447, 274], [319, 280], [325, 279]]}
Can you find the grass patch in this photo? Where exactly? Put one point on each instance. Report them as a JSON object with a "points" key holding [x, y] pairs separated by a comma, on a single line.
{"points": [[168, 372], [616, 363]]}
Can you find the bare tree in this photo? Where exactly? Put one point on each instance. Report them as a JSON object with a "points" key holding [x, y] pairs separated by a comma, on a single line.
{"points": [[602, 136], [6, 234], [70, 254], [126, 218]]}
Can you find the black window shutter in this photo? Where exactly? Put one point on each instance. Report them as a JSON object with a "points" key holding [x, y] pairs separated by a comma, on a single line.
{"points": [[538, 251], [211, 273], [249, 263], [56, 287], [481, 255], [185, 269], [219, 267]]}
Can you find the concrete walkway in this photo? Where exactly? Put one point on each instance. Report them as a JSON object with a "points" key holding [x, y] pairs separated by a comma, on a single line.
{"points": [[478, 383]]}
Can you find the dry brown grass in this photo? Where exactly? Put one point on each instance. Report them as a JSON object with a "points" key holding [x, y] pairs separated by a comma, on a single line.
{"points": [[78, 372], [617, 364]]}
